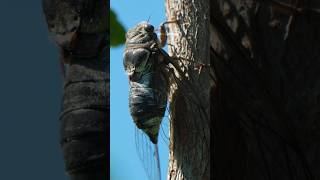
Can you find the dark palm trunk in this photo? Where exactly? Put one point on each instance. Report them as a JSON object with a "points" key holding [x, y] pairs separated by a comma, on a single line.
{"points": [[266, 57], [84, 118], [85, 106]]}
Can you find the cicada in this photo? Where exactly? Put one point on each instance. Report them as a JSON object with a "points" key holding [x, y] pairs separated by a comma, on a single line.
{"points": [[147, 79], [146, 65]]}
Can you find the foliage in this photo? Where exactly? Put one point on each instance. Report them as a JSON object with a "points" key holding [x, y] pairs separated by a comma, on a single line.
{"points": [[117, 31]]}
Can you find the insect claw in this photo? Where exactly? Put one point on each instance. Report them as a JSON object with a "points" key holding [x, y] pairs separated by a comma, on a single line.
{"points": [[200, 67], [161, 26], [170, 21]]}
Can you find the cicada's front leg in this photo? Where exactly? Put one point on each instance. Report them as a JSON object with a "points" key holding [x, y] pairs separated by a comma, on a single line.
{"points": [[163, 32], [170, 59]]}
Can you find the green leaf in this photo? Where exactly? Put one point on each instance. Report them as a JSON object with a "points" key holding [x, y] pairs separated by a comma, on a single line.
{"points": [[117, 32]]}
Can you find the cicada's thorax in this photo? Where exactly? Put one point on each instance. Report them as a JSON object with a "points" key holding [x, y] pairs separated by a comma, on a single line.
{"points": [[147, 79]]}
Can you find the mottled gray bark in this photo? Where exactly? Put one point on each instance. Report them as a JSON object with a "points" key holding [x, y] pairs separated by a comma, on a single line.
{"points": [[266, 108], [189, 101]]}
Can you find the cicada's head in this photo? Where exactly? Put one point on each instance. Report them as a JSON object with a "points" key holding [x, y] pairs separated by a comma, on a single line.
{"points": [[143, 33]]}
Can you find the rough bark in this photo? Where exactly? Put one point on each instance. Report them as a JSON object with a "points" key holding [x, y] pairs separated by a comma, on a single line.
{"points": [[189, 101], [266, 107]]}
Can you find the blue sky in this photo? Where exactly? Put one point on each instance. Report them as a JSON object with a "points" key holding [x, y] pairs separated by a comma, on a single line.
{"points": [[125, 164]]}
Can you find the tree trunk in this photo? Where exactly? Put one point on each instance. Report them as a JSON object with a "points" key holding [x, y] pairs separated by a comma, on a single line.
{"points": [[189, 100], [84, 119], [85, 105], [265, 55]]}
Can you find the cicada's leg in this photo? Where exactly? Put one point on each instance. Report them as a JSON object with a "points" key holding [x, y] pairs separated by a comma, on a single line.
{"points": [[198, 65], [163, 32]]}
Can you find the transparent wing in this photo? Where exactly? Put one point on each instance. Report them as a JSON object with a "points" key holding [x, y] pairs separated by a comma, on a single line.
{"points": [[164, 129], [147, 153]]}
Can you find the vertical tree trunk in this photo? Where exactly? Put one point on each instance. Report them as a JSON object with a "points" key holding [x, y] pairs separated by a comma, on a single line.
{"points": [[190, 106], [84, 119], [85, 105], [266, 57]]}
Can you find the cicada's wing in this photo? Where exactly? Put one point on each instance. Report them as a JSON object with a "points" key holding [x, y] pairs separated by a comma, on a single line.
{"points": [[164, 134], [147, 154], [146, 149], [135, 61]]}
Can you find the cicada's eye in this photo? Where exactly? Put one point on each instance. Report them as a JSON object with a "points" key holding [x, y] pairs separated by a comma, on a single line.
{"points": [[149, 28]]}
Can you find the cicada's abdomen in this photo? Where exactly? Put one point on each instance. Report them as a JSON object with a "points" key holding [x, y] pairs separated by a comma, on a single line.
{"points": [[147, 80], [148, 101]]}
